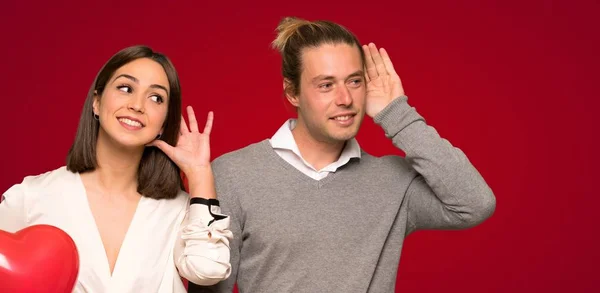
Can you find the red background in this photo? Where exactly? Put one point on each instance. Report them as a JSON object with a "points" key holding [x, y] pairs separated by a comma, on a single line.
{"points": [[512, 83]]}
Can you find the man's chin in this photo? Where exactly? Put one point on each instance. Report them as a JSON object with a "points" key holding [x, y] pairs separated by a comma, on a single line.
{"points": [[342, 136]]}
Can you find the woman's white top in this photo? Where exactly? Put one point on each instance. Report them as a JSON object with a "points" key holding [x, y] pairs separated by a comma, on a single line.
{"points": [[166, 240]]}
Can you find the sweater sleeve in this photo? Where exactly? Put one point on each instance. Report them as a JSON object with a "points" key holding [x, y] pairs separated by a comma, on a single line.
{"points": [[202, 249], [448, 192]]}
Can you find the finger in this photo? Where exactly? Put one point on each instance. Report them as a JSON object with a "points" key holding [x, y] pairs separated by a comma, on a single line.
{"points": [[380, 67], [209, 123], [387, 61], [192, 119], [369, 64], [163, 146], [183, 127]]}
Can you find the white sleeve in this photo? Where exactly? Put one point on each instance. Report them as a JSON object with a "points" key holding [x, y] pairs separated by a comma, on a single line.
{"points": [[201, 251], [13, 216]]}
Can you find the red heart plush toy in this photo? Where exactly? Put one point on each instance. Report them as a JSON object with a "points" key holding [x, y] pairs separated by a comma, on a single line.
{"points": [[39, 258]]}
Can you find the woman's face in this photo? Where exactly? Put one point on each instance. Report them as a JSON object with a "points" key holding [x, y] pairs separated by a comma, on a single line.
{"points": [[133, 107]]}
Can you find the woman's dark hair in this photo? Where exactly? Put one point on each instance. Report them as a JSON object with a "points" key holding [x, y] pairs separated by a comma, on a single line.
{"points": [[158, 177]]}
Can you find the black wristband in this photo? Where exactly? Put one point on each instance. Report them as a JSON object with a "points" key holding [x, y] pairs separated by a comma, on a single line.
{"points": [[204, 201], [208, 203]]}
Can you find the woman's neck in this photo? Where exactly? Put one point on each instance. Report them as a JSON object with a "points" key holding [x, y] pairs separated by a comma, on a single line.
{"points": [[117, 169]]}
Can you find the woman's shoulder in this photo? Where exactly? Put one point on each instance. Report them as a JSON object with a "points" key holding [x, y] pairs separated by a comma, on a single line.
{"points": [[49, 179], [33, 186], [179, 203]]}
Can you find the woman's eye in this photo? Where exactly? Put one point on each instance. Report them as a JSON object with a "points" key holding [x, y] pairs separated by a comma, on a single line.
{"points": [[124, 88], [157, 99]]}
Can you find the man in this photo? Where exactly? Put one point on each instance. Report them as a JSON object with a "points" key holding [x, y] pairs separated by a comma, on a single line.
{"points": [[312, 212]]}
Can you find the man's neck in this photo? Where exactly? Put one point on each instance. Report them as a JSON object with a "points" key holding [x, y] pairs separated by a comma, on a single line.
{"points": [[318, 154]]}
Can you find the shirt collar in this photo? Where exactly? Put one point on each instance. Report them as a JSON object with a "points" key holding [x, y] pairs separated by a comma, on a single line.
{"points": [[284, 139]]}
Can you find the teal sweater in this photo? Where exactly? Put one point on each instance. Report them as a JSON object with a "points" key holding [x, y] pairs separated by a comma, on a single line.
{"points": [[345, 232]]}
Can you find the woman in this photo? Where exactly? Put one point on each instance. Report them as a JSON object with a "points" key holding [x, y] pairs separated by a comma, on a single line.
{"points": [[120, 196]]}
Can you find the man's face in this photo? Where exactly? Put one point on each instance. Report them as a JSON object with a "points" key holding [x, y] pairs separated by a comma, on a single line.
{"points": [[331, 100]]}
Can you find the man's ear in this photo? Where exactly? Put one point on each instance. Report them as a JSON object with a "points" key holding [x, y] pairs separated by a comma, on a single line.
{"points": [[289, 90]]}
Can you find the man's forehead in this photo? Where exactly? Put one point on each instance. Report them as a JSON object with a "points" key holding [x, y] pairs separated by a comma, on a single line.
{"points": [[339, 60]]}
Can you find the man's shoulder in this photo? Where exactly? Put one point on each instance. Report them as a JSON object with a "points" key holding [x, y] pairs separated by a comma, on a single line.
{"points": [[240, 158], [385, 162]]}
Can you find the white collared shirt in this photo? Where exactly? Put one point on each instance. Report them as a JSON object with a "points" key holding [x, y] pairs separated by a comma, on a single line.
{"points": [[285, 146]]}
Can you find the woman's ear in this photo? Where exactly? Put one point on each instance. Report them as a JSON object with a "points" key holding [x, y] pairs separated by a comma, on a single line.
{"points": [[96, 103]]}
